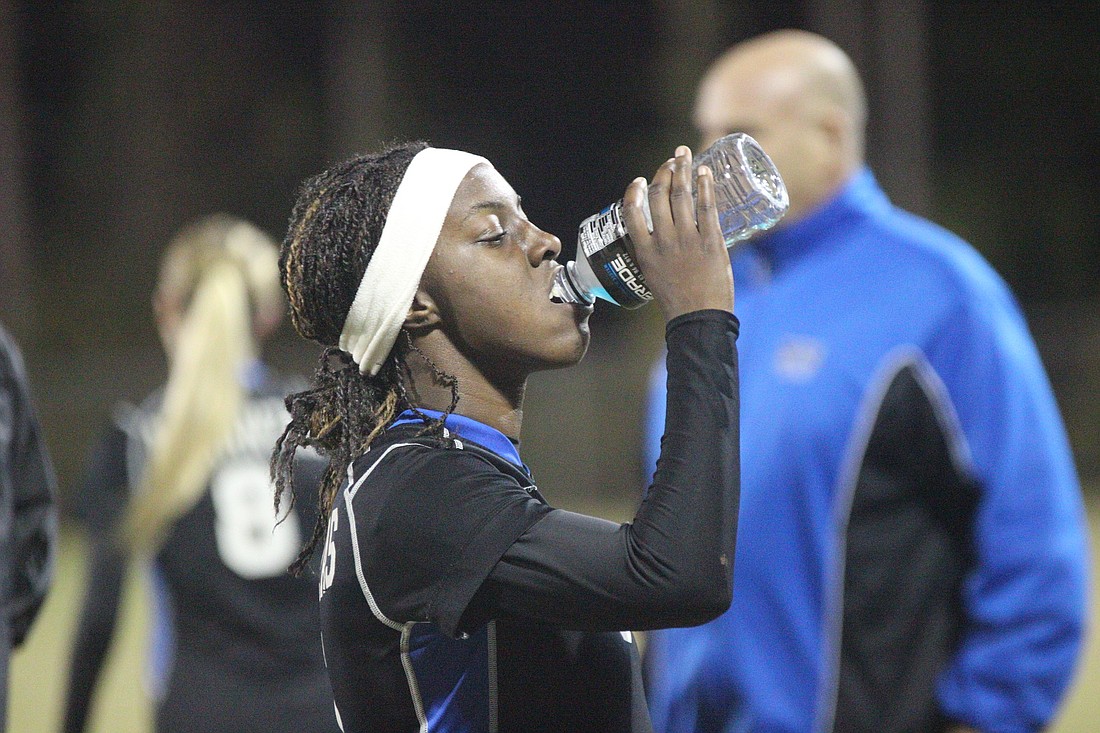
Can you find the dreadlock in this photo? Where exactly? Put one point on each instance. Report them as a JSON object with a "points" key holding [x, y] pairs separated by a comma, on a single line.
{"points": [[334, 228]]}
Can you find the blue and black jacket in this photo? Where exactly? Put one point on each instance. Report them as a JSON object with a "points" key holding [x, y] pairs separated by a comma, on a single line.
{"points": [[912, 542]]}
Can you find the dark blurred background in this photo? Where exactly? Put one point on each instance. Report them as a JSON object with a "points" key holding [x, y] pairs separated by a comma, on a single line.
{"points": [[121, 121]]}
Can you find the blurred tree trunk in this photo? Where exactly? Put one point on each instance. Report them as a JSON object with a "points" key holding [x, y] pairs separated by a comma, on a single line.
{"points": [[887, 40], [16, 308], [125, 166], [690, 35], [358, 90]]}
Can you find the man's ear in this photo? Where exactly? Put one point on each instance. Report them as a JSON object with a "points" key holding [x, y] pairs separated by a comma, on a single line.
{"points": [[423, 314], [835, 123]]}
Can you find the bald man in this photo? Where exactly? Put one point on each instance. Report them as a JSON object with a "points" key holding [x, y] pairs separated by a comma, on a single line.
{"points": [[912, 546]]}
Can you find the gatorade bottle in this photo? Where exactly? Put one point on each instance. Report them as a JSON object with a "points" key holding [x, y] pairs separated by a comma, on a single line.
{"points": [[750, 195]]}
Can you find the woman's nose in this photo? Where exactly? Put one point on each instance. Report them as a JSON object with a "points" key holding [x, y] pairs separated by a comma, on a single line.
{"points": [[544, 246]]}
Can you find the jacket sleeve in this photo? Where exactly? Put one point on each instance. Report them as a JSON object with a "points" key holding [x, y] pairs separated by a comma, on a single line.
{"points": [[33, 539], [673, 565], [1025, 601], [653, 421]]}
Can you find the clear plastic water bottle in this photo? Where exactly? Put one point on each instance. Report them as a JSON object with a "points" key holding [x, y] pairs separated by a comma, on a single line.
{"points": [[750, 195]]}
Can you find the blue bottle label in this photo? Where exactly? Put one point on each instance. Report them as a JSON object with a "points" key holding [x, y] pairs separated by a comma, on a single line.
{"points": [[603, 239]]}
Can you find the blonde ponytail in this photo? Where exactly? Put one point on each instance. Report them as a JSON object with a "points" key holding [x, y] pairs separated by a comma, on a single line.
{"points": [[212, 347]]}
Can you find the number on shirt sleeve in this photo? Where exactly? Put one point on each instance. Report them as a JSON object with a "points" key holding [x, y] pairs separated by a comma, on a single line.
{"points": [[328, 559]]}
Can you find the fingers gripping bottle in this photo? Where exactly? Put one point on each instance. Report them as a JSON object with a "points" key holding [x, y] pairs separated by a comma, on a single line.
{"points": [[750, 196]]}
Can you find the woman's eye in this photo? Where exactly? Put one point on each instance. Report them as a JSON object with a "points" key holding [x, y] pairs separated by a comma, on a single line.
{"points": [[495, 238]]}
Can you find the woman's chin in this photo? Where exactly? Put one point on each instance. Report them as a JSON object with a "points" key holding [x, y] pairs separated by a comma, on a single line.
{"points": [[572, 355]]}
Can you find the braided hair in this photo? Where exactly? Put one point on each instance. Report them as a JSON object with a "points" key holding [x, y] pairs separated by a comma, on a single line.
{"points": [[334, 228]]}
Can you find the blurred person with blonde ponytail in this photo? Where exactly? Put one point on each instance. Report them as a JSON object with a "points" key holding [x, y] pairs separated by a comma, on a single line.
{"points": [[181, 483]]}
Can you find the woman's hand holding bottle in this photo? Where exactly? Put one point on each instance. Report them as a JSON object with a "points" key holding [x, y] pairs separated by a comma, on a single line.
{"points": [[684, 258]]}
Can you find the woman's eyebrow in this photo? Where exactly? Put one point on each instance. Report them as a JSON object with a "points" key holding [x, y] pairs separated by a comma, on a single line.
{"points": [[493, 206]]}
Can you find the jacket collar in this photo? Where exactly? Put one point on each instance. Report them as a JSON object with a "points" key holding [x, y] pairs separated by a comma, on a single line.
{"points": [[856, 199], [473, 431]]}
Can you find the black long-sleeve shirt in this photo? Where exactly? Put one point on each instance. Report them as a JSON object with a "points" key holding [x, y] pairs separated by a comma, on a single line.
{"points": [[455, 598]]}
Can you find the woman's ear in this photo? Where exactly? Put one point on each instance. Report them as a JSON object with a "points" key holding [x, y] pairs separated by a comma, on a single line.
{"points": [[423, 314]]}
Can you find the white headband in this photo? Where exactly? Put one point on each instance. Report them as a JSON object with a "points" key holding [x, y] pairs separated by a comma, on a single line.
{"points": [[408, 238]]}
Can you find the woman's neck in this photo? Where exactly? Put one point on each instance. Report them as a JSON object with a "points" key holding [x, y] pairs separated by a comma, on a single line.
{"points": [[479, 398]]}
